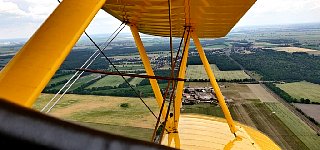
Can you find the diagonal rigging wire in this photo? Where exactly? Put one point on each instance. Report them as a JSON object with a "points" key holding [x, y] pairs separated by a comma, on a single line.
{"points": [[172, 96], [101, 51], [174, 84], [121, 74], [172, 72], [70, 85], [166, 91], [94, 56]]}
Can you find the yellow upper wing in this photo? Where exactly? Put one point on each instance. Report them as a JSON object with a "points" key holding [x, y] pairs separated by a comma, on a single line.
{"points": [[209, 18]]}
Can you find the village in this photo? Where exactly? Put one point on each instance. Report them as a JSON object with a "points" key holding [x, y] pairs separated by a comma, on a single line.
{"points": [[196, 95]]}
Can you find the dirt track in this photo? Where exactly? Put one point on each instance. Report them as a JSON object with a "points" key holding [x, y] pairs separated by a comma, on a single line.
{"points": [[261, 93]]}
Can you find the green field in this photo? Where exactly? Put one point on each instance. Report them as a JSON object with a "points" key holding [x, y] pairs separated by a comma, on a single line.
{"points": [[59, 79], [302, 89], [105, 113], [77, 84], [198, 72], [108, 81], [145, 91], [128, 131], [83, 80], [299, 128], [206, 109], [135, 81]]}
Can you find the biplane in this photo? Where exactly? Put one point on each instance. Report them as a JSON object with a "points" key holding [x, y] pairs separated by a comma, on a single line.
{"points": [[26, 75]]}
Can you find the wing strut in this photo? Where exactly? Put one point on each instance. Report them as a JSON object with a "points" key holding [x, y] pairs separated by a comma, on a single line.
{"points": [[144, 57], [26, 75], [214, 83]]}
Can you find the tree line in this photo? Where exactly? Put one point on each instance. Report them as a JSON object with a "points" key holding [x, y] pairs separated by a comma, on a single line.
{"points": [[223, 62], [281, 66], [285, 96]]}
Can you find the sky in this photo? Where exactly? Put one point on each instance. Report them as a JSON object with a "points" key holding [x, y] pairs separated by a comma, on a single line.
{"points": [[21, 18]]}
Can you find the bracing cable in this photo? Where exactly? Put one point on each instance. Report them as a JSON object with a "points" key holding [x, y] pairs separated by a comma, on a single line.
{"points": [[172, 96], [175, 61], [94, 55], [167, 88], [121, 74], [101, 52]]}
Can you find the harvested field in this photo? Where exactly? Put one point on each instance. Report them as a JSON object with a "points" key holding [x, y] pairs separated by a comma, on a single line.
{"points": [[296, 49], [302, 89], [261, 93], [311, 110]]}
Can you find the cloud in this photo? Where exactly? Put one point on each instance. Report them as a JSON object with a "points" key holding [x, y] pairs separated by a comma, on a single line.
{"points": [[265, 12], [10, 8], [21, 18]]}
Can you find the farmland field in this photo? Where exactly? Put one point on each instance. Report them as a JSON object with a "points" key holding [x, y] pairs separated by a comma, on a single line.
{"points": [[302, 89], [128, 131], [253, 107], [108, 81], [312, 110], [299, 128], [83, 80], [248, 109], [297, 49], [261, 93], [105, 113], [271, 125], [59, 79], [135, 81], [145, 91], [78, 83], [264, 44], [207, 109], [198, 72]]}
